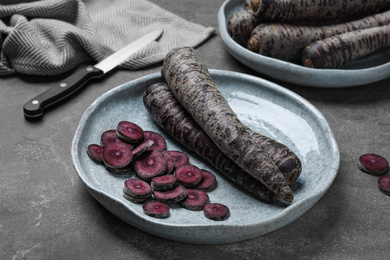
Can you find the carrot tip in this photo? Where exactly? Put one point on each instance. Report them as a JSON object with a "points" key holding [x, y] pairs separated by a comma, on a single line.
{"points": [[307, 62], [286, 194]]}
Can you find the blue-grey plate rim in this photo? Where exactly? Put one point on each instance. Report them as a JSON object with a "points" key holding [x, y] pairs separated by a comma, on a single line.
{"points": [[211, 232], [356, 74]]}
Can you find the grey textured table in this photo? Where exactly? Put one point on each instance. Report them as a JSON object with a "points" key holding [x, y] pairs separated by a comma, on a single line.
{"points": [[46, 212]]}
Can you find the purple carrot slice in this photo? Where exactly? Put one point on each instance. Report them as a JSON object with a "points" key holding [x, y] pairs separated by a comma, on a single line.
{"points": [[150, 164], [135, 200], [117, 158], [156, 209], [159, 141], [179, 158], [208, 182], [384, 184], [188, 175], [141, 148], [110, 137], [373, 164], [196, 199], [95, 152], [216, 211], [174, 195], [129, 132], [137, 188], [170, 162], [164, 182]]}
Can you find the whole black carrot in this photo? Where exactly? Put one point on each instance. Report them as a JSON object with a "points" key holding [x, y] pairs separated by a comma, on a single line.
{"points": [[170, 115], [286, 41], [301, 10], [188, 78], [241, 25], [335, 51]]}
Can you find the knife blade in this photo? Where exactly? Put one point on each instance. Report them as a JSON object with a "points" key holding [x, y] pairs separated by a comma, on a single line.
{"points": [[34, 108]]}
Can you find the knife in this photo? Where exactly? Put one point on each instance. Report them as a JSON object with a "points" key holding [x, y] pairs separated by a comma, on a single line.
{"points": [[33, 109]]}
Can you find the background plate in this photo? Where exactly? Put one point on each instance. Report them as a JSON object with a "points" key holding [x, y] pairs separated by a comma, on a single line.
{"points": [[263, 106], [367, 70]]}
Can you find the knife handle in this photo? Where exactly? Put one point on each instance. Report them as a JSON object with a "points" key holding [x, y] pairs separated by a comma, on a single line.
{"points": [[34, 107]]}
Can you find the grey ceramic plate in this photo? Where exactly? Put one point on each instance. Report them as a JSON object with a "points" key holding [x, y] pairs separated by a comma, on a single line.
{"points": [[367, 70], [263, 106]]}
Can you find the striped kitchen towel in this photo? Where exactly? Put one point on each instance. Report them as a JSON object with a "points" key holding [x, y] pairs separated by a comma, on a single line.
{"points": [[50, 37]]}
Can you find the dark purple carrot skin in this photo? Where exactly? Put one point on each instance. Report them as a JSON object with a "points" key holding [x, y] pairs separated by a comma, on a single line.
{"points": [[336, 51], [241, 25], [301, 10], [188, 78], [287, 41], [286, 160], [169, 114]]}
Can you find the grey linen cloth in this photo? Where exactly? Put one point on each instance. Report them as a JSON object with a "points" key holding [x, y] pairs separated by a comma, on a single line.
{"points": [[51, 37]]}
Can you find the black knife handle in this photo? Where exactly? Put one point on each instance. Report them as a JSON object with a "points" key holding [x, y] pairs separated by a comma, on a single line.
{"points": [[34, 107]]}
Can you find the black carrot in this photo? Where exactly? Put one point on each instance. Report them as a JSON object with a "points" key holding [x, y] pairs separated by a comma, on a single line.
{"points": [[287, 41], [240, 26], [335, 51], [188, 78]]}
